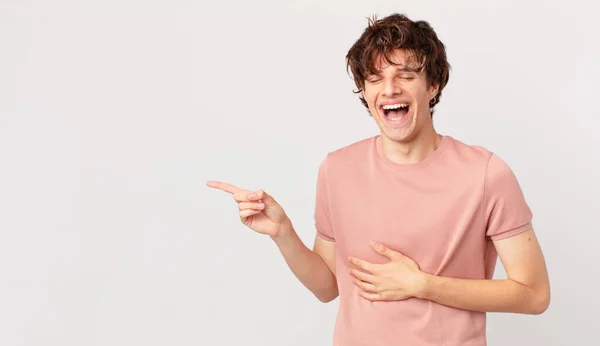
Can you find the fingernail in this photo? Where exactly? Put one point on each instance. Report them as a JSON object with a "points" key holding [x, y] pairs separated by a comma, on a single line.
{"points": [[260, 205]]}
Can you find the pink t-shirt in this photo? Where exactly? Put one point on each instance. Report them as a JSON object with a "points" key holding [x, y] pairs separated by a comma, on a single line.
{"points": [[442, 212]]}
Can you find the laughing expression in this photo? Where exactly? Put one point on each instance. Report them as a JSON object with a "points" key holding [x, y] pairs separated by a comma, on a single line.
{"points": [[398, 98]]}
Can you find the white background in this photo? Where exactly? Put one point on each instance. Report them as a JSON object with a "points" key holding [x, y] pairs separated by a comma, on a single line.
{"points": [[114, 114]]}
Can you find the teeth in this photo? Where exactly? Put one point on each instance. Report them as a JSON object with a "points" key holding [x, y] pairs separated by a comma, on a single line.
{"points": [[396, 106]]}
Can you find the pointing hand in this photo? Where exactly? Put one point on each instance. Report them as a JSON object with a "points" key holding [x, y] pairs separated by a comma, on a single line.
{"points": [[257, 209]]}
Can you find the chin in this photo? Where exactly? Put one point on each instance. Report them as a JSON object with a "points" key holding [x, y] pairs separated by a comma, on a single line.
{"points": [[399, 137], [400, 134]]}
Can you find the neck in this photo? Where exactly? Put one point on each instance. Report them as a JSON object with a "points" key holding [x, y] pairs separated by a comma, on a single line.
{"points": [[413, 150]]}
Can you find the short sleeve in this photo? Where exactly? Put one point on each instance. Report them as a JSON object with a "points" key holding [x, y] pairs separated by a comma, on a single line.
{"points": [[322, 210], [506, 211]]}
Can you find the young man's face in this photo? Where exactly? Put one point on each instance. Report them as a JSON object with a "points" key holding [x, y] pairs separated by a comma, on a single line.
{"points": [[398, 98]]}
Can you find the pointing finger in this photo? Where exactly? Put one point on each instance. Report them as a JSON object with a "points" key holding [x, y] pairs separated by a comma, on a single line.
{"points": [[224, 186]]}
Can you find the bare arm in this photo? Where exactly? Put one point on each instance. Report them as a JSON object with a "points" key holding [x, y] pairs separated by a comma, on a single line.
{"points": [[260, 212], [527, 289], [316, 268]]}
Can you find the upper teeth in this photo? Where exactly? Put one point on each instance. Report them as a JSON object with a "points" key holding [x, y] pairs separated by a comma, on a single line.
{"points": [[396, 106]]}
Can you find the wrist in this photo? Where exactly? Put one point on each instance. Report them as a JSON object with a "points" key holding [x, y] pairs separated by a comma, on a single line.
{"points": [[423, 285], [284, 231]]}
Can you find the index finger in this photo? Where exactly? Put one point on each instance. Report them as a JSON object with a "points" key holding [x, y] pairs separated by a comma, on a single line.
{"points": [[224, 186]]}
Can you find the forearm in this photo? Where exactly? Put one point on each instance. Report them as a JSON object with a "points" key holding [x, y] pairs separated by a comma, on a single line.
{"points": [[484, 295], [306, 265]]}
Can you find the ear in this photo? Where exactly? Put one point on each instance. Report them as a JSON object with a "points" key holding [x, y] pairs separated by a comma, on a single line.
{"points": [[433, 89]]}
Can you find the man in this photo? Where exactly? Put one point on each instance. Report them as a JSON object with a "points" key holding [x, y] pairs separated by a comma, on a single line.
{"points": [[409, 222]]}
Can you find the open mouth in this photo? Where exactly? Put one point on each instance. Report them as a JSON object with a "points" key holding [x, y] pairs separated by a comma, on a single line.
{"points": [[396, 111]]}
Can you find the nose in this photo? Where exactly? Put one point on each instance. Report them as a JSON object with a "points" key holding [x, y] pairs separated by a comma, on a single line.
{"points": [[391, 87]]}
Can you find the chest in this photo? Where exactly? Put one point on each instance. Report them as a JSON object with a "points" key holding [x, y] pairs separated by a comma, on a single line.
{"points": [[421, 218]]}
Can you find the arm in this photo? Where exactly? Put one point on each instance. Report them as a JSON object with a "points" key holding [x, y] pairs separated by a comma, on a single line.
{"points": [[527, 289], [316, 268], [260, 212]]}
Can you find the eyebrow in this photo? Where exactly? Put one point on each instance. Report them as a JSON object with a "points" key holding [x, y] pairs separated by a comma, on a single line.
{"points": [[406, 69]]}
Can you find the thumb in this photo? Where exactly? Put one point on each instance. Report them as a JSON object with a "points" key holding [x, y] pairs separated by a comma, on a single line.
{"points": [[267, 199], [386, 251]]}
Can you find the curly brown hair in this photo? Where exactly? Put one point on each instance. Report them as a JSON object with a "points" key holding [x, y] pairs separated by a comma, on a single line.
{"points": [[382, 36]]}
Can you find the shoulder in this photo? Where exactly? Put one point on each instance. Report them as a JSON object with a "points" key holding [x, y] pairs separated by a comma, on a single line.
{"points": [[468, 153], [353, 152], [495, 167], [476, 161]]}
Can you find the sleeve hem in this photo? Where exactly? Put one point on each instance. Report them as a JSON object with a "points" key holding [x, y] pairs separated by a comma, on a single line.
{"points": [[512, 232], [325, 237], [483, 199]]}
